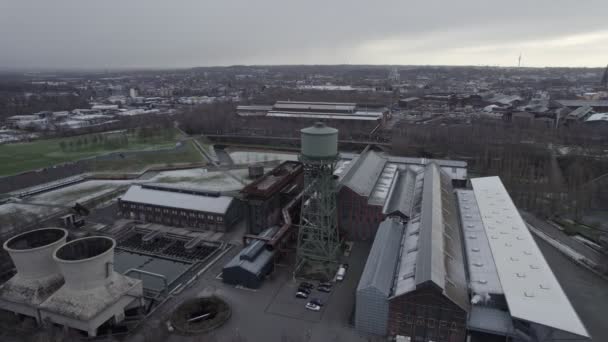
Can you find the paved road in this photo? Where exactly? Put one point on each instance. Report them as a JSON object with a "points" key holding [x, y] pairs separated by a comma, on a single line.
{"points": [[587, 292], [560, 236]]}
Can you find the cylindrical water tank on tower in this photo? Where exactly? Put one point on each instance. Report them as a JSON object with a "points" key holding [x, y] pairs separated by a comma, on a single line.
{"points": [[32, 252], [86, 263], [319, 142]]}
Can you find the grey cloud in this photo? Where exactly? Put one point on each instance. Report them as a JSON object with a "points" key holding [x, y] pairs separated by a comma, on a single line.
{"points": [[153, 33]]}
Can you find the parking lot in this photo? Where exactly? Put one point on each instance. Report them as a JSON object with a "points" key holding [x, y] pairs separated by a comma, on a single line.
{"points": [[272, 312], [286, 304]]}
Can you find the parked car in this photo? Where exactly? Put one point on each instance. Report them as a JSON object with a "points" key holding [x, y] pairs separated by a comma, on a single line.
{"points": [[341, 273], [326, 284], [312, 306], [306, 285], [324, 289], [316, 301], [301, 295], [304, 289]]}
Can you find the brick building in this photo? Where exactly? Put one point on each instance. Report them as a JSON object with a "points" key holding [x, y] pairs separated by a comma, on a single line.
{"points": [[266, 195], [414, 281], [374, 185], [195, 209]]}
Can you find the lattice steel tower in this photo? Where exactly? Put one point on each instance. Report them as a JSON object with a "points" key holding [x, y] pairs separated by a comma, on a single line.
{"points": [[318, 238]]}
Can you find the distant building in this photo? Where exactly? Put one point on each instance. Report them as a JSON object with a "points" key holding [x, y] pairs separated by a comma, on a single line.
{"points": [[597, 119], [579, 114], [253, 110], [409, 103], [597, 105], [133, 93], [105, 107], [180, 207], [342, 115]]}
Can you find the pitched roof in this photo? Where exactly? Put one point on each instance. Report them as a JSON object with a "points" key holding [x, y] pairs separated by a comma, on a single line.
{"points": [[400, 197], [255, 256], [432, 248], [380, 266], [363, 172], [178, 200]]}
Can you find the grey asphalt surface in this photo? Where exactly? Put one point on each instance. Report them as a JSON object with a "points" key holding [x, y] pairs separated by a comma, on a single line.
{"points": [[272, 313], [587, 292], [560, 236]]}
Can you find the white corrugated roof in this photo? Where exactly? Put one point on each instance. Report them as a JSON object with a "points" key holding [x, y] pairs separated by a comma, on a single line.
{"points": [[532, 292], [482, 269], [597, 117], [177, 200]]}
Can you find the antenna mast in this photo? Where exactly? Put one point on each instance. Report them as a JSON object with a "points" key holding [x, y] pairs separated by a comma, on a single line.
{"points": [[519, 61]]}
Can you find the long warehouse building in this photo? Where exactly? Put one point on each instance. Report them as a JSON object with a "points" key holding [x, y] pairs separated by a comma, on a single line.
{"points": [[204, 210], [462, 265], [414, 281]]}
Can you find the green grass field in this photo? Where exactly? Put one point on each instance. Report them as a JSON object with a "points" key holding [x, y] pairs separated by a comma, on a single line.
{"points": [[136, 163], [16, 158]]}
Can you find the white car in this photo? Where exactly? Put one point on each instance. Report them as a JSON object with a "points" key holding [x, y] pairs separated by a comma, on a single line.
{"points": [[341, 273], [312, 306]]}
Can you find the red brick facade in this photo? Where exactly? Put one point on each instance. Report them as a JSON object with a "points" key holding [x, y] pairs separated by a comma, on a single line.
{"points": [[357, 219], [427, 315]]}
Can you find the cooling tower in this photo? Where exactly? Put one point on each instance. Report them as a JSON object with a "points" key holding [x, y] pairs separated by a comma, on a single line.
{"points": [[32, 252], [93, 293], [86, 263], [37, 273]]}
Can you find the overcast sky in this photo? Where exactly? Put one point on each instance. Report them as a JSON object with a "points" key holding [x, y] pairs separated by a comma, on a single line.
{"points": [[187, 33]]}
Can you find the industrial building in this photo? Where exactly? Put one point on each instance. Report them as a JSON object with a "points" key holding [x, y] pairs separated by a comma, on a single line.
{"points": [[265, 196], [205, 210], [252, 264], [462, 264], [598, 105], [414, 277], [514, 293], [71, 284], [341, 115], [373, 184]]}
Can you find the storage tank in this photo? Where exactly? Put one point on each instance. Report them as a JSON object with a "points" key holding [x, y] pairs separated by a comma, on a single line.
{"points": [[319, 142], [32, 252], [86, 263]]}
